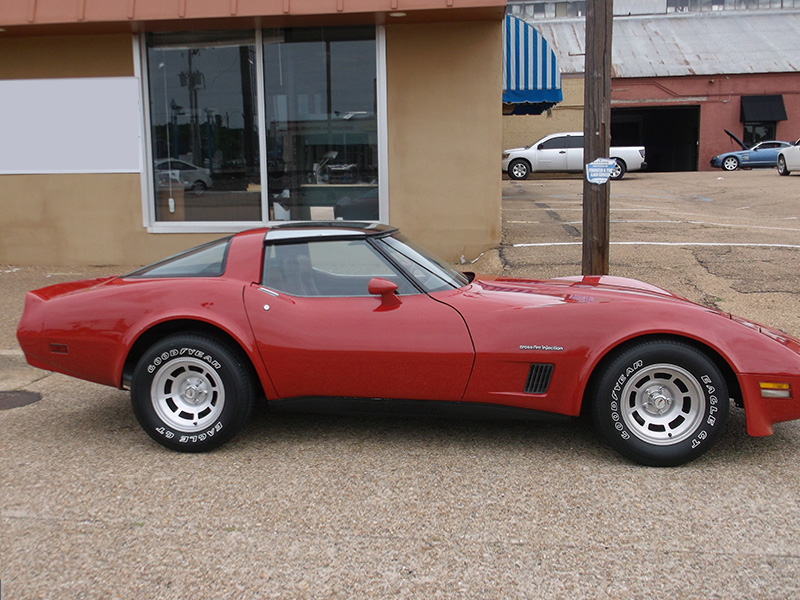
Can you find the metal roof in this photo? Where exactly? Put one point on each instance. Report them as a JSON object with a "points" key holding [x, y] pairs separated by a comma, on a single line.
{"points": [[724, 42]]}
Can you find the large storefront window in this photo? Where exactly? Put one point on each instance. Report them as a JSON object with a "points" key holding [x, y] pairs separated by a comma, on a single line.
{"points": [[204, 127], [296, 141], [321, 127]]}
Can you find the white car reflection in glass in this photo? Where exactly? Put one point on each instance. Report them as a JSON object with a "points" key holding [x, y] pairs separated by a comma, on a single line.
{"points": [[191, 177]]}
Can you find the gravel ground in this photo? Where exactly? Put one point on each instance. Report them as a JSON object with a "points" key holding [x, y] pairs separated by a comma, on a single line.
{"points": [[356, 507]]}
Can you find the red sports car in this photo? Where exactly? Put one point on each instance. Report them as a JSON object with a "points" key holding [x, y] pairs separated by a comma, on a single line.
{"points": [[347, 315]]}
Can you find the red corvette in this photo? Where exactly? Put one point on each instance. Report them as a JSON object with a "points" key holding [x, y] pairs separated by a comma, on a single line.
{"points": [[353, 315]]}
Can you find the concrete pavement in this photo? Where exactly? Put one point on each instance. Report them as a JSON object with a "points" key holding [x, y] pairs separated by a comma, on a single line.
{"points": [[354, 507]]}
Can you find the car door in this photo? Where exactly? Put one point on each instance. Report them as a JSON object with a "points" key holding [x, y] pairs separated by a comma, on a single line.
{"points": [[762, 155], [551, 154], [575, 153], [792, 156], [321, 333]]}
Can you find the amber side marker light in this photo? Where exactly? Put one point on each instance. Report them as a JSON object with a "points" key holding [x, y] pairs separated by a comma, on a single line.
{"points": [[775, 390]]}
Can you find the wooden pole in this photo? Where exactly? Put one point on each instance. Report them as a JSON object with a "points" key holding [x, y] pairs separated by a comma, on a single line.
{"points": [[597, 133]]}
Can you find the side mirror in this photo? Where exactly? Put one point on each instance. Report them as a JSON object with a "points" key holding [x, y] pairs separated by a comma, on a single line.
{"points": [[386, 290]]}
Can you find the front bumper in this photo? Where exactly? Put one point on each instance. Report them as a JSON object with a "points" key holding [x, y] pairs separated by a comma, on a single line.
{"points": [[762, 410]]}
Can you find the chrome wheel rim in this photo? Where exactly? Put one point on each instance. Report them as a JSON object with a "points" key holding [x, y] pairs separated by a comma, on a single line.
{"points": [[730, 164], [663, 404], [187, 395], [519, 170]]}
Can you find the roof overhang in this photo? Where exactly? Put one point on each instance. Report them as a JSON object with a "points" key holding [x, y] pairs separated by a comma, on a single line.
{"points": [[40, 17]]}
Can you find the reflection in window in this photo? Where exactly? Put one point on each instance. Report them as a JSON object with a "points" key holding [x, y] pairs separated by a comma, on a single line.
{"points": [[340, 268], [204, 129], [322, 158], [755, 132]]}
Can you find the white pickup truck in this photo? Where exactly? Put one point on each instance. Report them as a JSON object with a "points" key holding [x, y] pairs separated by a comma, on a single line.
{"points": [[564, 152]]}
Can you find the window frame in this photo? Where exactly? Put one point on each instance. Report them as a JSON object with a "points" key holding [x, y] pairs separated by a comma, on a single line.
{"points": [[149, 220]]}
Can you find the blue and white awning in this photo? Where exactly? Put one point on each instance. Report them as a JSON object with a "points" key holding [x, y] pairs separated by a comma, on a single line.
{"points": [[531, 78]]}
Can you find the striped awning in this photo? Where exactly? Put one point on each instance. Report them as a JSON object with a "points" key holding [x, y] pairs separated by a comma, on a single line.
{"points": [[531, 78]]}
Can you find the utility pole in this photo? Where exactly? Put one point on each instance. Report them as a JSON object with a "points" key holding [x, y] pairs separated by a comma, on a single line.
{"points": [[597, 134]]}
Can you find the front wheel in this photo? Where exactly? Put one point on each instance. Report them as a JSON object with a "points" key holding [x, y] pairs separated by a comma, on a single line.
{"points": [[661, 403], [191, 393], [731, 163], [782, 168], [519, 169]]}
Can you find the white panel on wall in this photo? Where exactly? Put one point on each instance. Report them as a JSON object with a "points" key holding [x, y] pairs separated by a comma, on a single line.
{"points": [[88, 125]]}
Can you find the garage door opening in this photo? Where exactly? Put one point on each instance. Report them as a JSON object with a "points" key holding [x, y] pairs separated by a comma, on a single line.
{"points": [[669, 135]]}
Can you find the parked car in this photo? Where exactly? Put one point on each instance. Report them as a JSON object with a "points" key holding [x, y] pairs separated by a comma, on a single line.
{"points": [[564, 152], [191, 177], [338, 315], [763, 154], [789, 159]]}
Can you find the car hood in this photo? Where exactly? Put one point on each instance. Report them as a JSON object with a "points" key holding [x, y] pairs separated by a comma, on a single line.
{"points": [[579, 289], [737, 140], [510, 150]]}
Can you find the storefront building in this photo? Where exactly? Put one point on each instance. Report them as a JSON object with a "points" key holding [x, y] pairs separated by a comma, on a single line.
{"points": [[136, 128]]}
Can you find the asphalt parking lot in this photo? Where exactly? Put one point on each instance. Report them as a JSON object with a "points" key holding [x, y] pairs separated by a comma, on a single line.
{"points": [[356, 507]]}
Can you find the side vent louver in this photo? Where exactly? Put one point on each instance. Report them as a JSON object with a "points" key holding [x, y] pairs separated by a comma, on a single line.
{"points": [[538, 378]]}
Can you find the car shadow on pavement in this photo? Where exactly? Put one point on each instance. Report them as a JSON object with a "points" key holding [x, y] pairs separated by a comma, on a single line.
{"points": [[544, 439], [110, 424]]}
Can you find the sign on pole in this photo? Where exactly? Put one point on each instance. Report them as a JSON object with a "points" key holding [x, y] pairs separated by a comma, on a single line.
{"points": [[599, 170]]}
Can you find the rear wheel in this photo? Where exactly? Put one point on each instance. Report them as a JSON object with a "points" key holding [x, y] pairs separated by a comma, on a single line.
{"points": [[782, 168], [519, 169], [198, 187], [191, 393], [731, 163], [661, 403], [619, 170]]}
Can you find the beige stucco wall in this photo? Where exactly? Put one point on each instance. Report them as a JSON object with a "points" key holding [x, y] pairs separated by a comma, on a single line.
{"points": [[81, 219], [45, 57], [521, 130], [76, 219], [445, 124]]}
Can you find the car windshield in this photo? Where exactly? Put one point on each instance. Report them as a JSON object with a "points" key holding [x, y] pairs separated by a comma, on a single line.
{"points": [[431, 273], [207, 260]]}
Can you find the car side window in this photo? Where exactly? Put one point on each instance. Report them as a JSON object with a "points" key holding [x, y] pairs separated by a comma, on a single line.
{"points": [[207, 260], [328, 268], [555, 143], [576, 141]]}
